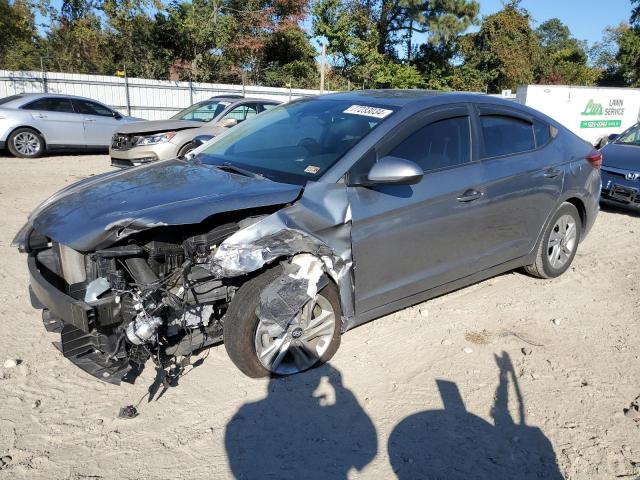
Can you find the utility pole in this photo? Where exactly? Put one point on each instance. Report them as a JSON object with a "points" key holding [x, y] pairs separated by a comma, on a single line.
{"points": [[45, 88], [322, 62]]}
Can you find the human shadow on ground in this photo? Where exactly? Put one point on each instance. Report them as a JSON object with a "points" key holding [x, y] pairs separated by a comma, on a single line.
{"points": [[310, 426], [455, 444]]}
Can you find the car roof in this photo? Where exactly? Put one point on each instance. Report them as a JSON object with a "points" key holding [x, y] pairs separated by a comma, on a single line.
{"points": [[28, 97], [238, 99], [428, 98]]}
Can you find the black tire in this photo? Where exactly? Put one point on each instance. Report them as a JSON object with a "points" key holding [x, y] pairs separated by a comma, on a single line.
{"points": [[542, 267], [16, 139], [186, 149], [241, 323]]}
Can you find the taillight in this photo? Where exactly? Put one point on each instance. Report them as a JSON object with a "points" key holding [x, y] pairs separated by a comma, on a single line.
{"points": [[594, 158]]}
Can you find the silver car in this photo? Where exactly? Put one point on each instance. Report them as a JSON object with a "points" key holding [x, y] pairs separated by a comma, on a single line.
{"points": [[33, 123], [164, 139]]}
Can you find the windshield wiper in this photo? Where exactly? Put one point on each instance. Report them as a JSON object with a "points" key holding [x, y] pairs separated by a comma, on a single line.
{"points": [[228, 167]]}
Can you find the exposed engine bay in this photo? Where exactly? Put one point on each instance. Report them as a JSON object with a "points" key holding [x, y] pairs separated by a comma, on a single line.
{"points": [[155, 297]]}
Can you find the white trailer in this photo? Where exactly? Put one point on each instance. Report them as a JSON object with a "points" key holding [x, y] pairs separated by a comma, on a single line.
{"points": [[592, 113]]}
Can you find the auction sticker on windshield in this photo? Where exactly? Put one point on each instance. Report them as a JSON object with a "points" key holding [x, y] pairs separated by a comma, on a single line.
{"points": [[312, 169], [374, 112]]}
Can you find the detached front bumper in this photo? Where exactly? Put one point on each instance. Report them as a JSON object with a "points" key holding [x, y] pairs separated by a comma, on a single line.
{"points": [[79, 324]]}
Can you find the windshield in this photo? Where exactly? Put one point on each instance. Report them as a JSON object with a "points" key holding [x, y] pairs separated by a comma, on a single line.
{"points": [[631, 136], [298, 141], [202, 111]]}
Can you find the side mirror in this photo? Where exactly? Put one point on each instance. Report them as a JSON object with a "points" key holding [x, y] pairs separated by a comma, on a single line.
{"points": [[227, 123], [613, 137], [116, 115], [200, 140], [395, 171]]}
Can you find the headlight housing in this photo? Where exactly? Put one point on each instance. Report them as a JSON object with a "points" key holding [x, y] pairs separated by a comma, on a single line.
{"points": [[154, 139]]}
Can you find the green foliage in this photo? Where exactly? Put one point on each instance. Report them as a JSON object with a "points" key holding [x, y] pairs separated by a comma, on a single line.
{"points": [[505, 50], [18, 37], [564, 59]]}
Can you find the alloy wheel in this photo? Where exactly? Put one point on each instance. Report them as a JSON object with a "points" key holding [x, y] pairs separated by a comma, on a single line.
{"points": [[26, 143], [562, 241], [305, 340]]}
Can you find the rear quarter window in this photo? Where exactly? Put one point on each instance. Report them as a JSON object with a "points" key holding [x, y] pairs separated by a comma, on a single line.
{"points": [[542, 132], [504, 135]]}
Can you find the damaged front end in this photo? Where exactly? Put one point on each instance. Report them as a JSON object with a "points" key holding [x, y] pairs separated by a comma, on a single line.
{"points": [[153, 276], [117, 307], [164, 293]]}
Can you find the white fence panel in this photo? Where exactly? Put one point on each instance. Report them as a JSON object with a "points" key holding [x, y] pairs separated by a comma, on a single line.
{"points": [[145, 98]]}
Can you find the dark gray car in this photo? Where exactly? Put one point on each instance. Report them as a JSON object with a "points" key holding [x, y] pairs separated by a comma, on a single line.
{"points": [[311, 219], [621, 169]]}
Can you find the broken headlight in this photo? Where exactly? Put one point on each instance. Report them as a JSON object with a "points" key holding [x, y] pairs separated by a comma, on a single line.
{"points": [[154, 139], [27, 240]]}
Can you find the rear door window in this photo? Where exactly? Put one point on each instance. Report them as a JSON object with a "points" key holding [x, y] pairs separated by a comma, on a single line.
{"points": [[51, 104], [504, 135], [441, 144]]}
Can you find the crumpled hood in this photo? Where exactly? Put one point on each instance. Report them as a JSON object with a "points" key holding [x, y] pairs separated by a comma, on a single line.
{"points": [[100, 210], [625, 157], [158, 126]]}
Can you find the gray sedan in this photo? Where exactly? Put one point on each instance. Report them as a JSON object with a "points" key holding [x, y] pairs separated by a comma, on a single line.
{"points": [[32, 123], [309, 220]]}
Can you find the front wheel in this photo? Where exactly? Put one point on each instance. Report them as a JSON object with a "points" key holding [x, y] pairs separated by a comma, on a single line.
{"points": [[260, 350], [559, 243], [189, 147], [26, 143]]}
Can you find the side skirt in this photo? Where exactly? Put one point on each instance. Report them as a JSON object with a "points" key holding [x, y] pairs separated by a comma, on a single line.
{"points": [[436, 292]]}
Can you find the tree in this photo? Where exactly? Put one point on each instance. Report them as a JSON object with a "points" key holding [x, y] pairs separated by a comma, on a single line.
{"points": [[564, 59], [364, 38], [19, 41], [505, 51]]}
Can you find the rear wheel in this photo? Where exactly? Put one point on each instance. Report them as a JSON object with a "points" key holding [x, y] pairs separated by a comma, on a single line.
{"points": [[559, 243], [261, 350], [26, 143]]}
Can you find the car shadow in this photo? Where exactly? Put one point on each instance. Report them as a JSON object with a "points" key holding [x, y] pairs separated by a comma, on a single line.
{"points": [[621, 210], [309, 426], [455, 444]]}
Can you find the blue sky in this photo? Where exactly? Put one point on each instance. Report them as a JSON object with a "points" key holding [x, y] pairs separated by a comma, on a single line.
{"points": [[585, 18]]}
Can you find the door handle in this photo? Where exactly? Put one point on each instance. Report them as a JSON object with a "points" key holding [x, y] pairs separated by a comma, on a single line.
{"points": [[89, 119], [41, 115], [470, 195], [552, 172]]}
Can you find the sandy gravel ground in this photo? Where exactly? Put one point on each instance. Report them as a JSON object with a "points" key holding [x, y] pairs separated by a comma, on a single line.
{"points": [[511, 378]]}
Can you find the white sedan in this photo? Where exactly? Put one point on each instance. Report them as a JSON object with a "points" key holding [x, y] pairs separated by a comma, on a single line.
{"points": [[32, 123]]}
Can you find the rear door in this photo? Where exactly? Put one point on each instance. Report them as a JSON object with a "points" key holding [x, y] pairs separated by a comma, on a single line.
{"points": [[522, 181], [409, 238], [98, 121], [57, 120]]}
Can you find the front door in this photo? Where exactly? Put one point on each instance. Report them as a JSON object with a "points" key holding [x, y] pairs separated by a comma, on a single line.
{"points": [[99, 123], [410, 238]]}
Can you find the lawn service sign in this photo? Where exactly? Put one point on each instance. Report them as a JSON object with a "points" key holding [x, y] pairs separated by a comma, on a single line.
{"points": [[592, 113]]}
